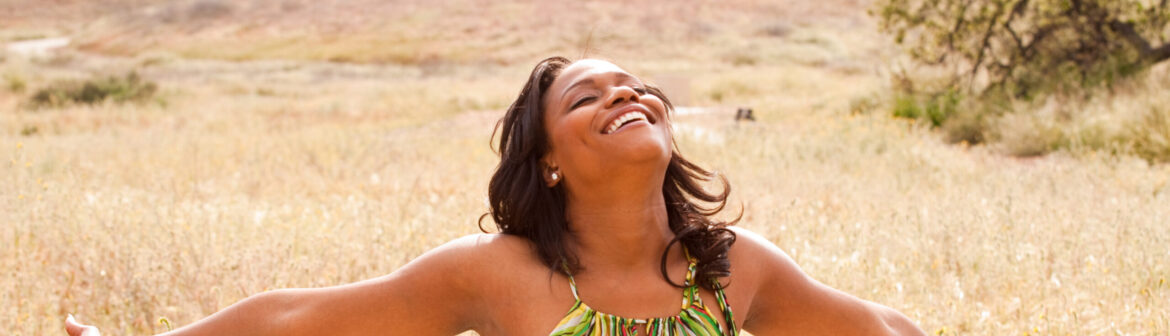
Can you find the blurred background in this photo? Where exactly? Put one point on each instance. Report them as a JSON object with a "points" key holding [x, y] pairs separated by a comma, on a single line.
{"points": [[984, 166]]}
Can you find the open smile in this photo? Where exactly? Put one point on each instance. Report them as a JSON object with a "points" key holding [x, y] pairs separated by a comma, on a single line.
{"points": [[626, 117]]}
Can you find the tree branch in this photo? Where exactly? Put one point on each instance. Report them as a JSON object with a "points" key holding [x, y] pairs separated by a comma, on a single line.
{"points": [[1148, 53], [958, 24], [1041, 34], [1007, 25], [986, 40], [1159, 54]]}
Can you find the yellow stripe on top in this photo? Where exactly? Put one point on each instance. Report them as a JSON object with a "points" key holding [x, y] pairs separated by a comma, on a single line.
{"points": [[694, 320]]}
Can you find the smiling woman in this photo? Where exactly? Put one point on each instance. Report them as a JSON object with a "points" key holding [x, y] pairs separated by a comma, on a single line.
{"points": [[602, 230], [604, 134]]}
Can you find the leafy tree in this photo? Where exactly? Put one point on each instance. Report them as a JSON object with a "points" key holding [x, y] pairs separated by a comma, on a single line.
{"points": [[1027, 47]]}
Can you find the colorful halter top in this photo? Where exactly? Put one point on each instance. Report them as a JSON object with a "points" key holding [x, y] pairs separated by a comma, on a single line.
{"points": [[694, 319]]}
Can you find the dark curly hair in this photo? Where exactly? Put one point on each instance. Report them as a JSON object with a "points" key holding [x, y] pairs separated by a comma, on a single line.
{"points": [[523, 205]]}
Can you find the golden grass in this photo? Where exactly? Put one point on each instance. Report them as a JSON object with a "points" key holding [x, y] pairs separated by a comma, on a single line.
{"points": [[1130, 118], [290, 173]]}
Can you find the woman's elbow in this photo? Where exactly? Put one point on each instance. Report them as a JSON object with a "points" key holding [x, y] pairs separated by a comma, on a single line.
{"points": [[276, 312], [284, 311]]}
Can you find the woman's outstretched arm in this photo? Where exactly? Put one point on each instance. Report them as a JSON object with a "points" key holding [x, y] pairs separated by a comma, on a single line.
{"points": [[435, 294], [787, 301]]}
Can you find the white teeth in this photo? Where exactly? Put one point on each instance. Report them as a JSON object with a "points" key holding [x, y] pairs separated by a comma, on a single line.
{"points": [[623, 119]]}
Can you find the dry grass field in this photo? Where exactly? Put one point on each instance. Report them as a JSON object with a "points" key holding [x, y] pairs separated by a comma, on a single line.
{"points": [[302, 144]]}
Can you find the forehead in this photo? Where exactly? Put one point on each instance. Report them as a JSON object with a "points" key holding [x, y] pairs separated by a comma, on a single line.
{"points": [[591, 66], [585, 69]]}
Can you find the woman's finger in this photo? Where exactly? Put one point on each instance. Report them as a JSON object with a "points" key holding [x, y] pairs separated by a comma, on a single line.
{"points": [[78, 329]]}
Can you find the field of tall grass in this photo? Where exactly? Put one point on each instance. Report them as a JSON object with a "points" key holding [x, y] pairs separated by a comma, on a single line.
{"points": [[302, 150]]}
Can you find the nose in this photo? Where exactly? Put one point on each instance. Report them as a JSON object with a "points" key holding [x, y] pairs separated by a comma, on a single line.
{"points": [[622, 94]]}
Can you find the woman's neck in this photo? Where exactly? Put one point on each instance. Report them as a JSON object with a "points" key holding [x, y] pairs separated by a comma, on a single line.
{"points": [[619, 234]]}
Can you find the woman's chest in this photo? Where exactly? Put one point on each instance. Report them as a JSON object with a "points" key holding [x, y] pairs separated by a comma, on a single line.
{"points": [[539, 307], [534, 309]]}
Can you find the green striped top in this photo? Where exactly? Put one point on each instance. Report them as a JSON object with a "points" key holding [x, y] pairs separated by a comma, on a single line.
{"points": [[694, 319]]}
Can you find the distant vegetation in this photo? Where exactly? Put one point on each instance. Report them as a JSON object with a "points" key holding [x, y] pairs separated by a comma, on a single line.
{"points": [[1030, 47], [127, 88], [990, 58]]}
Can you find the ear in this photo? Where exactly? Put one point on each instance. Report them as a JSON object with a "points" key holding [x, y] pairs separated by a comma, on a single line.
{"points": [[550, 172]]}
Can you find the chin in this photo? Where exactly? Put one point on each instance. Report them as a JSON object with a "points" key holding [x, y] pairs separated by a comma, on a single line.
{"points": [[648, 149]]}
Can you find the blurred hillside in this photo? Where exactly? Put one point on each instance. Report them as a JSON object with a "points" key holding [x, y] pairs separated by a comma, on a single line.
{"points": [[790, 57], [425, 32]]}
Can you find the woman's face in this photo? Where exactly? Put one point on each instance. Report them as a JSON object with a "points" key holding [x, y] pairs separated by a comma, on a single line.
{"points": [[603, 125]]}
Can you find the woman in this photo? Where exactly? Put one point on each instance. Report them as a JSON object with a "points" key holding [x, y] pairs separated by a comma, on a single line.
{"points": [[600, 235]]}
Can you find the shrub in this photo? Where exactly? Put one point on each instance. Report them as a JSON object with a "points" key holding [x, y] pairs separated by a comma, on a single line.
{"points": [[1149, 137], [29, 130], [966, 126], [15, 83], [122, 89], [1134, 123], [934, 108], [1027, 74]]}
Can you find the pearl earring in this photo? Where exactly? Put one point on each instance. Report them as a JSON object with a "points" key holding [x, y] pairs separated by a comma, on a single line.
{"points": [[554, 176]]}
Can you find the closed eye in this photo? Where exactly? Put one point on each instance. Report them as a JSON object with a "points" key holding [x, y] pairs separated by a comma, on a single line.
{"points": [[640, 90], [581, 101]]}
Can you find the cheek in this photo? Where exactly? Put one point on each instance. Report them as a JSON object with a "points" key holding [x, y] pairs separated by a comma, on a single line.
{"points": [[569, 132], [655, 103]]}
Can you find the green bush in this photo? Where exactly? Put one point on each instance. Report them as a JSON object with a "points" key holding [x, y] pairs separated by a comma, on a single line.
{"points": [[128, 88], [934, 108]]}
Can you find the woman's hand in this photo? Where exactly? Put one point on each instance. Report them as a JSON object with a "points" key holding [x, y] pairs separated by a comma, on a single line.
{"points": [[78, 329]]}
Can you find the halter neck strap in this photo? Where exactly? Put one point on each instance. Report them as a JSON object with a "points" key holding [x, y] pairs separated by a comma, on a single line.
{"points": [[690, 288], [572, 283]]}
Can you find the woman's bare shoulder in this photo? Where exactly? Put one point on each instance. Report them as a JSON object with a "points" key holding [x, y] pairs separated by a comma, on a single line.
{"points": [[490, 256], [490, 246], [762, 257], [756, 262], [752, 246]]}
